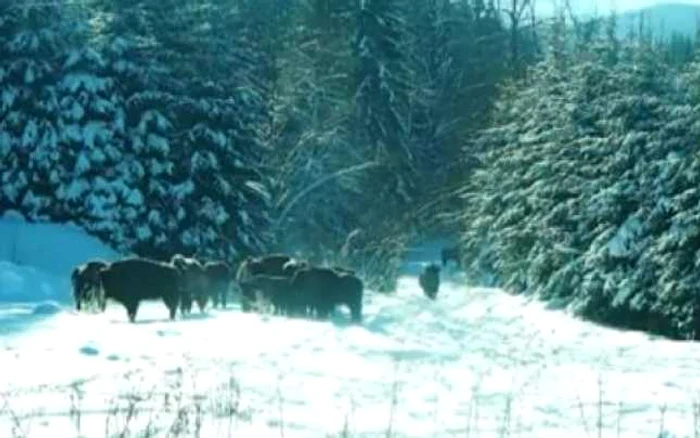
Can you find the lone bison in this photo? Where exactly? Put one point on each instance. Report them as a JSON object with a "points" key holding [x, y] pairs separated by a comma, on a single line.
{"points": [[133, 280], [84, 279], [219, 277], [193, 282], [429, 280], [321, 289], [450, 253]]}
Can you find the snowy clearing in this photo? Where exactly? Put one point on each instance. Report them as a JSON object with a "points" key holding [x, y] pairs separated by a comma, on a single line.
{"points": [[477, 362]]}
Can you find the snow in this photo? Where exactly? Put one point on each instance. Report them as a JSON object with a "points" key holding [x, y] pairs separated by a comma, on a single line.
{"points": [[476, 362], [624, 238], [36, 259], [20, 283]]}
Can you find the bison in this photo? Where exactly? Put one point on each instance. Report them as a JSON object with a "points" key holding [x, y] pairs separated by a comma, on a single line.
{"points": [[322, 289], [84, 279], [133, 280], [429, 280], [273, 264], [268, 277], [219, 276], [274, 289], [193, 286]]}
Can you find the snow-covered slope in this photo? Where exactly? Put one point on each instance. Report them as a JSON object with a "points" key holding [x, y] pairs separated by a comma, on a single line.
{"points": [[477, 362], [36, 258]]}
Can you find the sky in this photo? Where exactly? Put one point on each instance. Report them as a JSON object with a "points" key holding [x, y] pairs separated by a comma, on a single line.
{"points": [[546, 7]]}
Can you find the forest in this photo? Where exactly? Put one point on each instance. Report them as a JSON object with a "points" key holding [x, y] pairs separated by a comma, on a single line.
{"points": [[561, 157]]}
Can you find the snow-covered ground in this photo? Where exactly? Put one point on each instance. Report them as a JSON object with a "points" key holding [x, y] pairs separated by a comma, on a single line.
{"points": [[36, 259], [476, 362]]}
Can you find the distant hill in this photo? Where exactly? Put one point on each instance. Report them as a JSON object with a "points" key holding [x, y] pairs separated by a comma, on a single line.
{"points": [[663, 20]]}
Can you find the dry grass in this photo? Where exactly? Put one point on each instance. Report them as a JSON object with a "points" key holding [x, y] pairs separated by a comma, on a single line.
{"points": [[176, 413], [171, 411]]}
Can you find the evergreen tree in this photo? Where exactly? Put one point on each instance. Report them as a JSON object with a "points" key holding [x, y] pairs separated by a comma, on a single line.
{"points": [[382, 84], [33, 41], [586, 190]]}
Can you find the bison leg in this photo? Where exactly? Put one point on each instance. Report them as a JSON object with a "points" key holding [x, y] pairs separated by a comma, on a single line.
{"points": [[201, 303], [323, 309], [356, 311], [224, 292], [185, 304], [247, 298], [132, 309], [172, 303], [172, 310]]}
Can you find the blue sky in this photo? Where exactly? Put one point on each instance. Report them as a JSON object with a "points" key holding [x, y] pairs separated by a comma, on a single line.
{"points": [[604, 6]]}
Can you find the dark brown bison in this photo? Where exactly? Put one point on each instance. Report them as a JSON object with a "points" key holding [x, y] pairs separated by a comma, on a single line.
{"points": [[193, 283], [219, 276], [450, 253], [272, 265], [429, 280], [270, 279], [276, 290], [133, 280], [322, 289], [85, 280]]}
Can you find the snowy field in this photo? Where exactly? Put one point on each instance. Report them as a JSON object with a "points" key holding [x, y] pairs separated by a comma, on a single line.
{"points": [[477, 362]]}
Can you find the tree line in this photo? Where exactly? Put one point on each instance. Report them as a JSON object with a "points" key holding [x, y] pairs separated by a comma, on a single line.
{"points": [[562, 155], [226, 127]]}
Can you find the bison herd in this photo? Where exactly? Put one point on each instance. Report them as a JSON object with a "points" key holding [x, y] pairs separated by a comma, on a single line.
{"points": [[279, 282], [283, 284]]}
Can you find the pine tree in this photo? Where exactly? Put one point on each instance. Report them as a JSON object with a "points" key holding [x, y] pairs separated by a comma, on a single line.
{"points": [[34, 38], [586, 190]]}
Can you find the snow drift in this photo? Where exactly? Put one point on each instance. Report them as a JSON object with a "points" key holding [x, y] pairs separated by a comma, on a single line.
{"points": [[36, 258]]}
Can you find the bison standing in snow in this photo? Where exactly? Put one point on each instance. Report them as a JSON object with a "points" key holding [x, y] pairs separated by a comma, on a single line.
{"points": [[85, 279], [219, 276], [274, 289], [322, 289], [193, 282], [429, 280], [269, 277], [133, 280], [272, 265]]}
